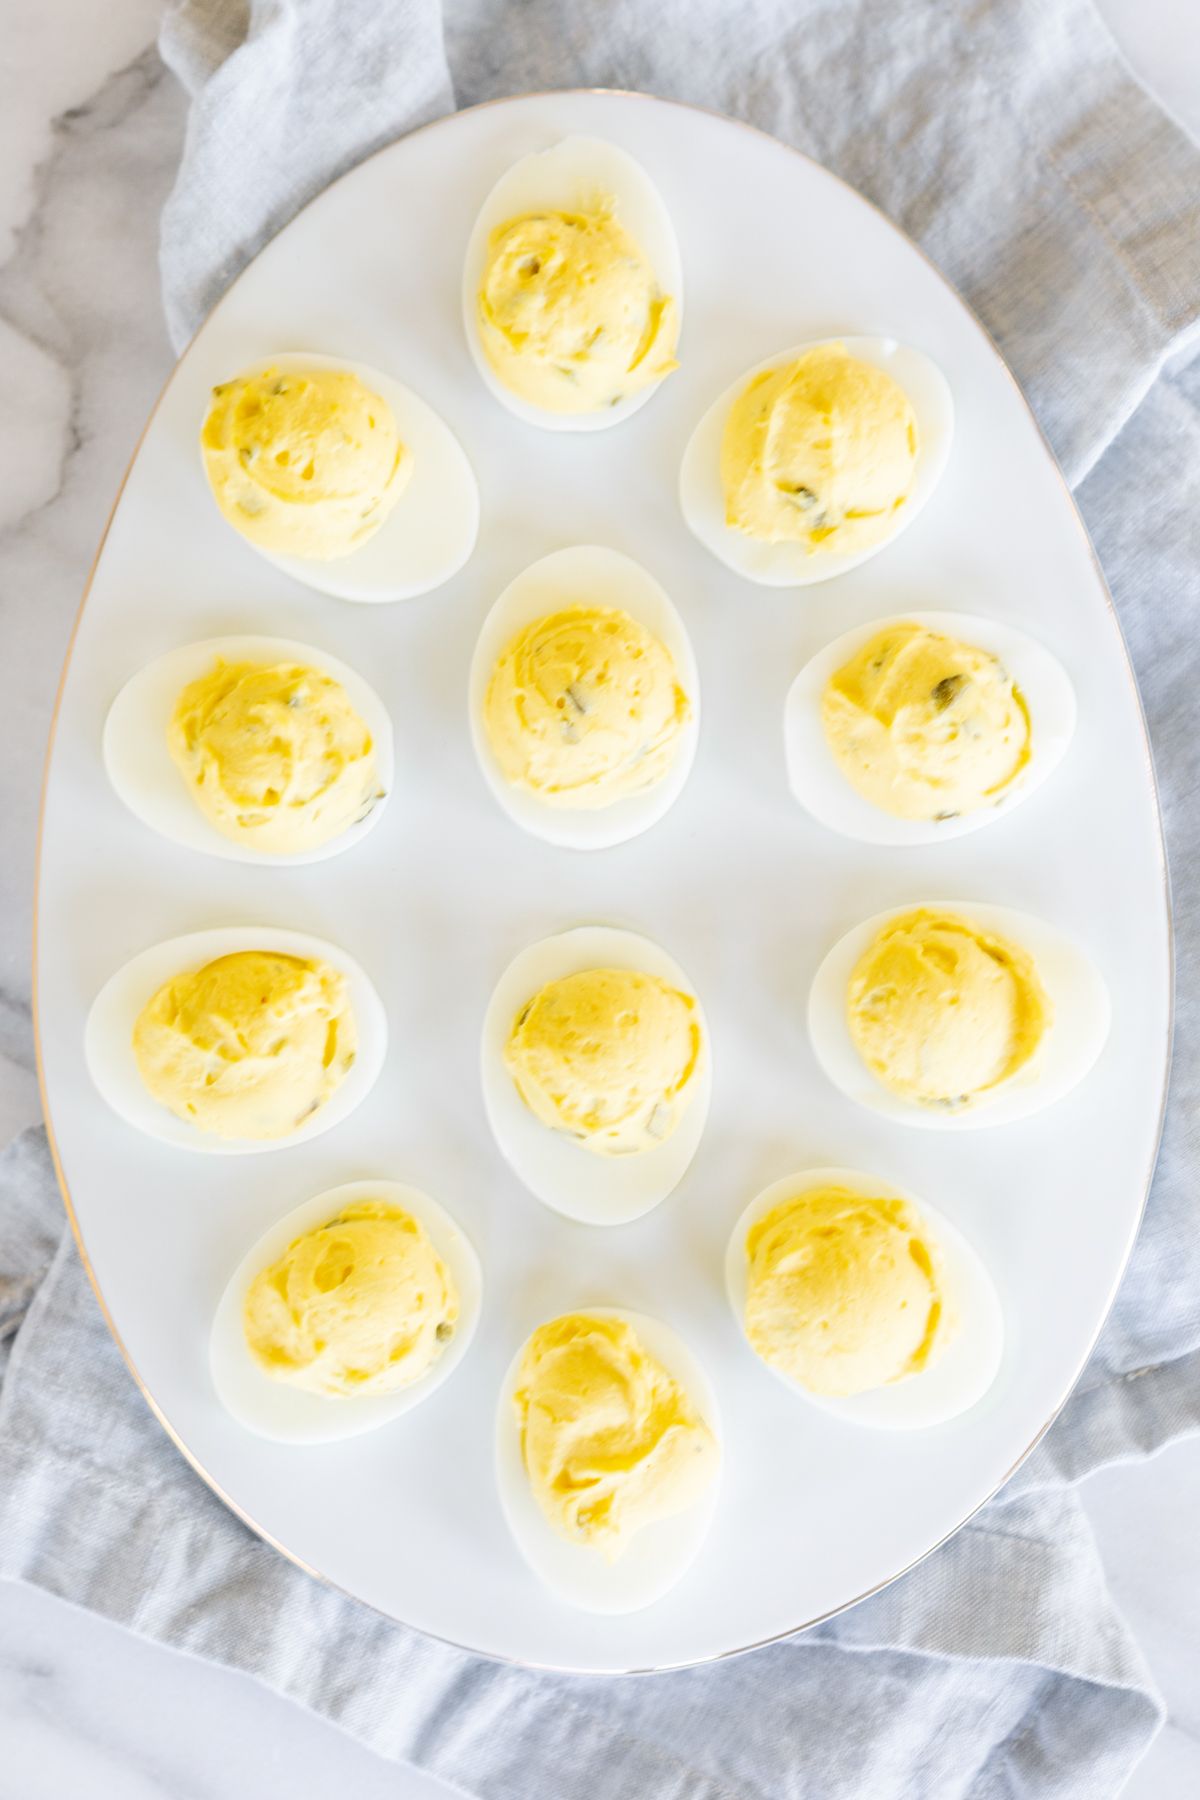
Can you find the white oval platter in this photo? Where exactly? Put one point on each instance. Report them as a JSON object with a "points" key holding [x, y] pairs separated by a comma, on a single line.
{"points": [[744, 888]]}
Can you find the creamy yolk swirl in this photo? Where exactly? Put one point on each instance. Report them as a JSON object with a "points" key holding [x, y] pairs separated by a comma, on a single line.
{"points": [[820, 451], [584, 708], [944, 1012], [611, 1057], [274, 755], [303, 462], [248, 1045], [571, 317], [926, 727], [610, 1441], [844, 1291], [361, 1305]]}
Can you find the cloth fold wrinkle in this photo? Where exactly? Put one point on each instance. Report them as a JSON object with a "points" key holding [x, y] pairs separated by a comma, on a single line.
{"points": [[1013, 144], [247, 63]]}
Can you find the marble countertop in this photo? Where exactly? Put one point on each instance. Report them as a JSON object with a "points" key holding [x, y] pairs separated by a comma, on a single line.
{"points": [[90, 129]]}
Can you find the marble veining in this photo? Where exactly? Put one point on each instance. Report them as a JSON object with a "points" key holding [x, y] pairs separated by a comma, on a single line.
{"points": [[83, 352], [90, 130]]}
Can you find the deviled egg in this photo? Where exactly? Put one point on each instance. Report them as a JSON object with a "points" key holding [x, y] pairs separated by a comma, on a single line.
{"points": [[815, 459], [341, 476], [236, 1040], [607, 1457], [951, 1015], [867, 1302], [572, 287], [350, 1310], [925, 726], [584, 699], [255, 749], [597, 1073]]}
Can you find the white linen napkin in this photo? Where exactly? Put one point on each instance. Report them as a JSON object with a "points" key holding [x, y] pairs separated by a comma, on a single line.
{"points": [[1008, 139]]}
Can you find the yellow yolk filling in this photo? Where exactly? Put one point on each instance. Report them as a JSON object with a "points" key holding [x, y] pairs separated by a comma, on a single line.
{"points": [[249, 1045], [820, 451], [361, 1305], [275, 756], [926, 727], [609, 1439], [843, 1291], [584, 708], [944, 1012], [608, 1056], [570, 314], [304, 463]]}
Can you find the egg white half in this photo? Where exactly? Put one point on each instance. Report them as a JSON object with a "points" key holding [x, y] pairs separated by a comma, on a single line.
{"points": [[821, 788], [596, 1190], [584, 575], [141, 770], [1077, 1033], [967, 1365], [108, 1035], [659, 1555], [568, 177], [702, 496], [290, 1415], [431, 530]]}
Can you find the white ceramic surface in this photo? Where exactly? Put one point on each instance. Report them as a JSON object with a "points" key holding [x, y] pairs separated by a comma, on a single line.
{"points": [[745, 890]]}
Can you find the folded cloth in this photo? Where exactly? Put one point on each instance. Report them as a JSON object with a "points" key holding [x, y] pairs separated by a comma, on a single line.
{"points": [[1008, 138]]}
